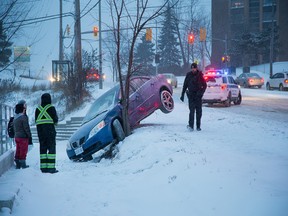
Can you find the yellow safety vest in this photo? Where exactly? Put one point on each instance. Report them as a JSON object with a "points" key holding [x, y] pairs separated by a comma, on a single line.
{"points": [[44, 117]]}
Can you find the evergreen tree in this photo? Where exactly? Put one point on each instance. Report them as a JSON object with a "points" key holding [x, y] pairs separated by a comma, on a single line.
{"points": [[168, 44], [144, 56], [5, 47]]}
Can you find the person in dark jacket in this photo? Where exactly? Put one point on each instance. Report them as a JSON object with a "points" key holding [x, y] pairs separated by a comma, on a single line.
{"points": [[194, 85], [46, 118], [22, 135]]}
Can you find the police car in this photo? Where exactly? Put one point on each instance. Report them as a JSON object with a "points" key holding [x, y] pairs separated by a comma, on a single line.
{"points": [[221, 88]]}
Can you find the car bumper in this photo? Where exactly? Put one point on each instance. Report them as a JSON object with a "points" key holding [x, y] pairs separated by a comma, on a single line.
{"points": [[103, 138]]}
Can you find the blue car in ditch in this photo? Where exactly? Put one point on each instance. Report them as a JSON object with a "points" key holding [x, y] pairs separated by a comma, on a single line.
{"points": [[103, 123]]}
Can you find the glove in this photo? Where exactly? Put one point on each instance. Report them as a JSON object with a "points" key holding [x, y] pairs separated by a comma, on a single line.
{"points": [[182, 98]]}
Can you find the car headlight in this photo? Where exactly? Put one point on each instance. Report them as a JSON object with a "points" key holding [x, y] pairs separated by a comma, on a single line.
{"points": [[96, 129], [68, 146]]}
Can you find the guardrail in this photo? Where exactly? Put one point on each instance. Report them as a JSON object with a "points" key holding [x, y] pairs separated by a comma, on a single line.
{"points": [[6, 142]]}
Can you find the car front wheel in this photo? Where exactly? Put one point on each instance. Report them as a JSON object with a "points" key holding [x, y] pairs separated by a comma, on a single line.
{"points": [[238, 100], [118, 130], [268, 86], [167, 102]]}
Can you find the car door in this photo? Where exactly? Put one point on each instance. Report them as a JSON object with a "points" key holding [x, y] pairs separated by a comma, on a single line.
{"points": [[241, 79], [277, 79], [139, 100], [233, 87]]}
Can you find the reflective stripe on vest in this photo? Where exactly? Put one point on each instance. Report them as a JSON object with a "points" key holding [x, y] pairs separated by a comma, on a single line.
{"points": [[44, 117]]}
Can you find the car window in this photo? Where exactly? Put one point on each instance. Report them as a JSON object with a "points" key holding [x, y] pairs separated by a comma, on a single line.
{"points": [[253, 75], [281, 75], [136, 83], [102, 103], [213, 79], [224, 79], [231, 80]]}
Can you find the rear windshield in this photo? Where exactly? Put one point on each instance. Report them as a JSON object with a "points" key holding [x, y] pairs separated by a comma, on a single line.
{"points": [[215, 79], [252, 75]]}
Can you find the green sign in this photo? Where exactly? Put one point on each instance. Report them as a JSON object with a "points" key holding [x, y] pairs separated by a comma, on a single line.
{"points": [[22, 54]]}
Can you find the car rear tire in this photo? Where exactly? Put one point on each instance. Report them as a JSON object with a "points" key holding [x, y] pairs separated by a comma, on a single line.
{"points": [[167, 102], [281, 87], [268, 86], [118, 130]]}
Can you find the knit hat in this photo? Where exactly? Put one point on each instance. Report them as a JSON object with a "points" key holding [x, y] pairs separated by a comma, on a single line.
{"points": [[193, 65]]}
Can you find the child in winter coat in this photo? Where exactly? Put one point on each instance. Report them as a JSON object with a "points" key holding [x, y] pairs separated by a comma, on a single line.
{"points": [[22, 135]]}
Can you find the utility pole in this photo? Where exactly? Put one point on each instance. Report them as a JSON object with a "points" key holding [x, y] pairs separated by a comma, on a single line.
{"points": [[61, 52], [272, 41], [100, 49], [78, 49]]}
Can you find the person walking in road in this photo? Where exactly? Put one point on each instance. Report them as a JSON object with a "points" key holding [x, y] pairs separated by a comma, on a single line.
{"points": [[46, 118], [194, 85], [22, 135]]}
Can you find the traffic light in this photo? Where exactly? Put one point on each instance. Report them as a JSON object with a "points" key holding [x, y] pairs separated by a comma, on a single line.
{"points": [[202, 35], [223, 59], [191, 38], [95, 31], [148, 34]]}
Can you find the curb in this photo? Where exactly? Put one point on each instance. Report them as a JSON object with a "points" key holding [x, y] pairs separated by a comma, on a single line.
{"points": [[6, 161]]}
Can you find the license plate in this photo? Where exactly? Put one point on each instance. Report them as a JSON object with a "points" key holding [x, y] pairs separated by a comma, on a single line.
{"points": [[78, 150]]}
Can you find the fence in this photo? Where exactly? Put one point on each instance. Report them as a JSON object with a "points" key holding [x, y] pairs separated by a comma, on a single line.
{"points": [[5, 141]]}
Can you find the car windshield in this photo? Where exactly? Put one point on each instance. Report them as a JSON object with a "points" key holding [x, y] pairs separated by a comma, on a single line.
{"points": [[169, 76], [253, 75], [102, 104]]}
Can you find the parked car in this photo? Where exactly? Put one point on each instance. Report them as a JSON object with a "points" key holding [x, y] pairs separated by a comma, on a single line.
{"points": [[172, 79], [250, 80], [103, 123], [278, 81], [221, 88], [93, 75]]}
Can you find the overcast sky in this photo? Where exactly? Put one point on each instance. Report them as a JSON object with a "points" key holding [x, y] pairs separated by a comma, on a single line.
{"points": [[44, 37]]}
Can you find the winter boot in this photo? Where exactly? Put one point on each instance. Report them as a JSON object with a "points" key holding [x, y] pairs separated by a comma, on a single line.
{"points": [[18, 166], [52, 171], [23, 164]]}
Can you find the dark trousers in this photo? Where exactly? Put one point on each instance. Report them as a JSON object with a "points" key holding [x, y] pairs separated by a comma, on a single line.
{"points": [[195, 104], [47, 153], [21, 148]]}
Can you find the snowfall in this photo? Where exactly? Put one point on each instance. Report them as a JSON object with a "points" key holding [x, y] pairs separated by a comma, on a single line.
{"points": [[236, 166]]}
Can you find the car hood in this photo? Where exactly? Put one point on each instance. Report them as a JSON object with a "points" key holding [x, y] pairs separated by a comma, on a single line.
{"points": [[85, 129]]}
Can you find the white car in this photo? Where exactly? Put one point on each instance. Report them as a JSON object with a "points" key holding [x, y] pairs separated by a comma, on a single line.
{"points": [[221, 88], [278, 81], [171, 79]]}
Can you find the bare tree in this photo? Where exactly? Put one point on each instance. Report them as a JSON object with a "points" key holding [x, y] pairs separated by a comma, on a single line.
{"points": [[13, 16], [137, 22]]}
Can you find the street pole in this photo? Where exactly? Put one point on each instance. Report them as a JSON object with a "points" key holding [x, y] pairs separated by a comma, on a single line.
{"points": [[100, 49], [61, 52], [272, 41], [78, 49]]}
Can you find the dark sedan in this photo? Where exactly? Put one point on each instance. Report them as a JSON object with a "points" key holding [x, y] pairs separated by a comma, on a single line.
{"points": [[250, 80], [103, 123]]}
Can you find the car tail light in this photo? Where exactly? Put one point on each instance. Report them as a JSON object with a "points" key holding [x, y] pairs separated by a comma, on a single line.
{"points": [[250, 80], [286, 81], [223, 87], [262, 80]]}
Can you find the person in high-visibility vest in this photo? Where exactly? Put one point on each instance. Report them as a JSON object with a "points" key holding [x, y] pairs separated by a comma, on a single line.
{"points": [[46, 118]]}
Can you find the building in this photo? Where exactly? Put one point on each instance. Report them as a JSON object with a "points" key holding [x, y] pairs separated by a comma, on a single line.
{"points": [[242, 30]]}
